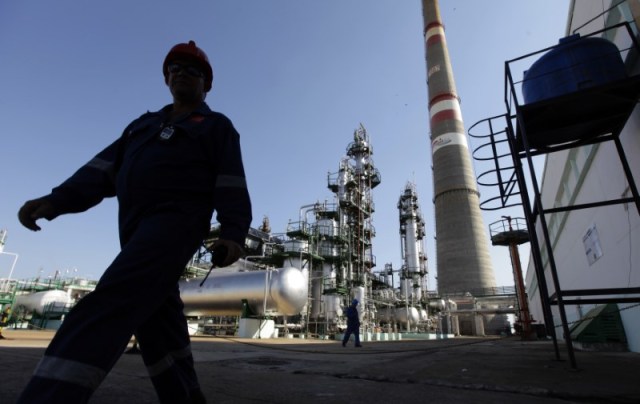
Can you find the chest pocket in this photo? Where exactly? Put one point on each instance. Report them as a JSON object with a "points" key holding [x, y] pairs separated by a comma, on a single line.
{"points": [[170, 160], [133, 138]]}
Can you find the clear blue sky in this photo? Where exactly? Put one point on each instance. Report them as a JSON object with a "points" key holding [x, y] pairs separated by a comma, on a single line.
{"points": [[296, 77]]}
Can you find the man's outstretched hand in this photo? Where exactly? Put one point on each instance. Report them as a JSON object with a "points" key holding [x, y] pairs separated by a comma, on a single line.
{"points": [[33, 210]]}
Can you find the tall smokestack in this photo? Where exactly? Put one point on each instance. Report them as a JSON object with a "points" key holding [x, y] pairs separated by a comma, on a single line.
{"points": [[461, 240]]}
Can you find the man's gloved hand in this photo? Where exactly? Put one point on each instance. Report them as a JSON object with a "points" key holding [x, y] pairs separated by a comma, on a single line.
{"points": [[33, 210], [226, 252]]}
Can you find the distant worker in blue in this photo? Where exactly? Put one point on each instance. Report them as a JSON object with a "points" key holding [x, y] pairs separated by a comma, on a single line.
{"points": [[170, 170], [353, 324]]}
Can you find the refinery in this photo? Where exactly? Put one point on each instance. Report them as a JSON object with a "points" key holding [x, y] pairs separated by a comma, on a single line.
{"points": [[298, 281]]}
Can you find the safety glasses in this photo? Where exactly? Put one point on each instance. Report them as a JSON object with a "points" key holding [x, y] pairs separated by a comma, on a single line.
{"points": [[174, 68]]}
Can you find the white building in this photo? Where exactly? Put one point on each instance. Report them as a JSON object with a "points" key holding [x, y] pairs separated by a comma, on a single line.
{"points": [[596, 247]]}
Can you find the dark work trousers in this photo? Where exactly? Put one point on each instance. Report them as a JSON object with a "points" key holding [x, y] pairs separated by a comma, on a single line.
{"points": [[351, 330], [138, 294]]}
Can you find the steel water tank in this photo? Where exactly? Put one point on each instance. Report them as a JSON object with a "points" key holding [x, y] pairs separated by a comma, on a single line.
{"points": [[575, 64]]}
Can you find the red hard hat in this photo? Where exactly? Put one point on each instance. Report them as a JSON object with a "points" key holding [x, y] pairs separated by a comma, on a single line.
{"points": [[192, 52]]}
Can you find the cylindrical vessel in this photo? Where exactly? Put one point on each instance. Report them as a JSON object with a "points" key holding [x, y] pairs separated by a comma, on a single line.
{"points": [[316, 296], [438, 304], [359, 293], [417, 287], [410, 221], [296, 246], [328, 249], [39, 300], [285, 291], [327, 227], [332, 306], [575, 64], [405, 288], [329, 276], [404, 314]]}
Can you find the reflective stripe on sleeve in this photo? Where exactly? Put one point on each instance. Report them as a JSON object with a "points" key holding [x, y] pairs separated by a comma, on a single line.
{"points": [[51, 367], [168, 361], [231, 181], [100, 164]]}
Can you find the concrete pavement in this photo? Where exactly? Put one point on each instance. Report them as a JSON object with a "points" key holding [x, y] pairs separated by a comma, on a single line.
{"points": [[459, 370]]}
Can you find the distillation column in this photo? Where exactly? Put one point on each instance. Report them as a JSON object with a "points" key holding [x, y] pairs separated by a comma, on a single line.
{"points": [[357, 177], [413, 285], [463, 260]]}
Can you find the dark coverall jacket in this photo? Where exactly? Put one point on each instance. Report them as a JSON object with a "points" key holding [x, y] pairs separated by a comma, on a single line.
{"points": [[168, 178], [353, 325]]}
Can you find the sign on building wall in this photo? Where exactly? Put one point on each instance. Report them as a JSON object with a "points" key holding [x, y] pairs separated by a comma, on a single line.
{"points": [[591, 243]]}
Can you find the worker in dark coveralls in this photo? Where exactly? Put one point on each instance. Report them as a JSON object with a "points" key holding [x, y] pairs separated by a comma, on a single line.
{"points": [[353, 324], [170, 170]]}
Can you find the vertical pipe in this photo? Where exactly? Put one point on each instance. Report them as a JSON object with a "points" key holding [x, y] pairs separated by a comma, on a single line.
{"points": [[521, 294]]}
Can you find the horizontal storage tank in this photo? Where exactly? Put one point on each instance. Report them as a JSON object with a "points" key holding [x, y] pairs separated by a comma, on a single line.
{"points": [[40, 300], [285, 290], [437, 304], [400, 315], [575, 64], [410, 314]]}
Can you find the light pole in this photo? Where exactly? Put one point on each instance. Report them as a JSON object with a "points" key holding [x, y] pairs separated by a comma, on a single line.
{"points": [[3, 240], [13, 265]]}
